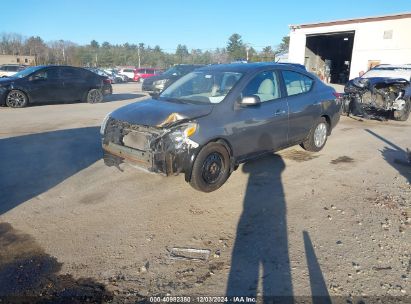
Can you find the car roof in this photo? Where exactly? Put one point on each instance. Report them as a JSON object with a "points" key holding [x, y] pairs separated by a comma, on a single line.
{"points": [[63, 66], [250, 67], [393, 66]]}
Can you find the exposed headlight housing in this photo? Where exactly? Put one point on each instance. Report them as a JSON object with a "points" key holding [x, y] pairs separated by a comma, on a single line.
{"points": [[104, 124], [182, 134]]}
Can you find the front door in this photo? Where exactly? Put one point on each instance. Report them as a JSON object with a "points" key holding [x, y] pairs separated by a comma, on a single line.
{"points": [[45, 85], [262, 127]]}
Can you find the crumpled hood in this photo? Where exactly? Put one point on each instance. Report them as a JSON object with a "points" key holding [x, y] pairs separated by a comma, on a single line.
{"points": [[157, 113]]}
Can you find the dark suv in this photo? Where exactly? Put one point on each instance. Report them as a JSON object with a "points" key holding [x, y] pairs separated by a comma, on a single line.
{"points": [[154, 85], [211, 120]]}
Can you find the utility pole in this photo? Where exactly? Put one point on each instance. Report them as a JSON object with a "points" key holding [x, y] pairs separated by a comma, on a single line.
{"points": [[138, 54], [247, 48]]}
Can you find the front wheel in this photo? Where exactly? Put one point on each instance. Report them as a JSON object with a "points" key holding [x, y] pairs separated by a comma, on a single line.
{"points": [[404, 113], [94, 96], [16, 99], [211, 168], [317, 137]]}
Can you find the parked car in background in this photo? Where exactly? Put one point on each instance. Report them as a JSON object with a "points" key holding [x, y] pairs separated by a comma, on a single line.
{"points": [[118, 77], [128, 72], [53, 84], [382, 92], [209, 121], [144, 73], [8, 70], [100, 72], [156, 84]]}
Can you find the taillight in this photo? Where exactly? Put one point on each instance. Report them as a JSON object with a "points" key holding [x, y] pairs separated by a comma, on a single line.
{"points": [[106, 81], [338, 95]]}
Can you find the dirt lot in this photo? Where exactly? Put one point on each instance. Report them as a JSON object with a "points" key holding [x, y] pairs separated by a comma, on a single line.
{"points": [[334, 223]]}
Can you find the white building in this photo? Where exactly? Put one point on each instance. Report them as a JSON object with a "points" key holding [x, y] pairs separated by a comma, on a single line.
{"points": [[340, 50]]}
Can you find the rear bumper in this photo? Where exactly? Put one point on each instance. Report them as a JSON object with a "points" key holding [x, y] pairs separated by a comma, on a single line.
{"points": [[107, 89]]}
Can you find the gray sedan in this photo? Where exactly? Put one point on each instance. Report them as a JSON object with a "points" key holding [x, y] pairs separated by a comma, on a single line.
{"points": [[211, 120]]}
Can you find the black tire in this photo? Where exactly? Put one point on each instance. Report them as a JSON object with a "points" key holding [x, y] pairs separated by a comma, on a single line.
{"points": [[16, 99], [94, 96], [211, 168], [404, 113], [316, 139]]}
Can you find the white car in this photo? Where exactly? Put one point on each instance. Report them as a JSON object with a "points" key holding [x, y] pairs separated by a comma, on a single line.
{"points": [[390, 71], [8, 70], [118, 77], [129, 72]]}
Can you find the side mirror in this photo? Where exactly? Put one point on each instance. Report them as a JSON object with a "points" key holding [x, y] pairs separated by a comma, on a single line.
{"points": [[250, 101]]}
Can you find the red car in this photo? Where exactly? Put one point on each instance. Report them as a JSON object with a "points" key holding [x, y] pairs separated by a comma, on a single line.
{"points": [[142, 73]]}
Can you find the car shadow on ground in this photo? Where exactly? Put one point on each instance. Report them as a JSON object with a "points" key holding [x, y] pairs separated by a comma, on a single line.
{"points": [[260, 258], [395, 156], [118, 97], [32, 164], [29, 275]]}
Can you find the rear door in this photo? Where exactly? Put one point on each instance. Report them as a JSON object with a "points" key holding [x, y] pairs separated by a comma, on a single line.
{"points": [[262, 127], [74, 84], [304, 108]]}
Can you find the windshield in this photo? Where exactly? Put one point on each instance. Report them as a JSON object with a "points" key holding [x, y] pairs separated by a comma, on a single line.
{"points": [[27, 72], [171, 71], [389, 72], [202, 87]]}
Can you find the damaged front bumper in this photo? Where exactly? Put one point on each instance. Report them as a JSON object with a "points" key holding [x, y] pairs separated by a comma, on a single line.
{"points": [[150, 148]]}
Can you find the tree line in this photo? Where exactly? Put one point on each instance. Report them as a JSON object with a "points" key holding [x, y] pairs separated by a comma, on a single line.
{"points": [[128, 54]]}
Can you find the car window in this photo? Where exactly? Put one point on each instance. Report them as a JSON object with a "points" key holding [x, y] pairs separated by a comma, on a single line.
{"points": [[296, 83], [202, 87], [39, 75], [265, 85], [69, 73]]}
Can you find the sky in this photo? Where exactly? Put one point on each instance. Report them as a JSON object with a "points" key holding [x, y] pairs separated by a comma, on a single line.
{"points": [[200, 24]]}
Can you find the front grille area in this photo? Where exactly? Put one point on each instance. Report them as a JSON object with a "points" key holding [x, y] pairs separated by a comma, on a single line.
{"points": [[132, 136], [137, 140]]}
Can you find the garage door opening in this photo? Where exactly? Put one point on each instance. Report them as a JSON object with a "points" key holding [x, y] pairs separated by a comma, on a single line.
{"points": [[329, 56]]}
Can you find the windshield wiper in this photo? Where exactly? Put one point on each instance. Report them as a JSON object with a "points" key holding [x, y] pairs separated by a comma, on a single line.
{"points": [[172, 99]]}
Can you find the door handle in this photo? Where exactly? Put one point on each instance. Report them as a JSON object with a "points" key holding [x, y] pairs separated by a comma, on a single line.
{"points": [[280, 112]]}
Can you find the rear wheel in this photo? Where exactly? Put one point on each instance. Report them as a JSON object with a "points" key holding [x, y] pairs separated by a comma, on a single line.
{"points": [[94, 96], [211, 168], [16, 99], [404, 113], [317, 137]]}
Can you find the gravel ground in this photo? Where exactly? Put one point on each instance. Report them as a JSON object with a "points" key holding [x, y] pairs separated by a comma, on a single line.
{"points": [[331, 224]]}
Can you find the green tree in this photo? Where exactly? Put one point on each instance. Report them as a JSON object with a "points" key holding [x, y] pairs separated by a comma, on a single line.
{"points": [[284, 45], [181, 52], [235, 47], [267, 54], [94, 44]]}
